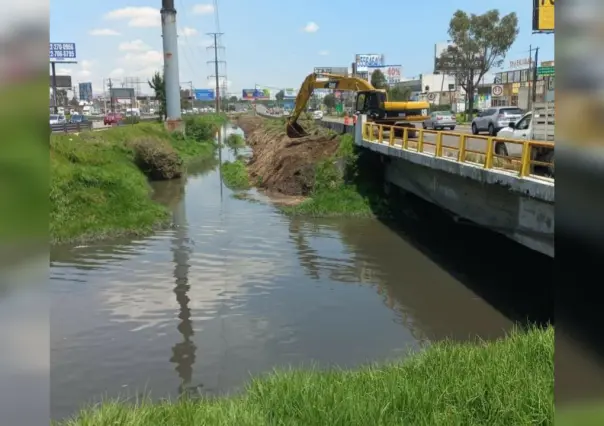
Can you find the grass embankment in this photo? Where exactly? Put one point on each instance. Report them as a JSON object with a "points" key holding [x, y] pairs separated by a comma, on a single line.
{"points": [[506, 382], [99, 180], [338, 188]]}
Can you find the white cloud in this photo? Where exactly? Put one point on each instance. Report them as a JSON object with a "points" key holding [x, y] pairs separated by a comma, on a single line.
{"points": [[324, 52], [141, 17], [207, 42], [143, 64], [203, 9], [133, 46], [188, 32], [117, 73], [103, 32], [311, 27]]}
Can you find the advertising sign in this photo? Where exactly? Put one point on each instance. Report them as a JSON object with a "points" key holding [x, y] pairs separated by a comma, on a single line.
{"points": [[289, 93], [247, 94], [62, 52], [252, 94], [204, 94], [122, 93], [332, 70], [365, 60], [85, 91], [262, 94], [391, 72], [543, 16], [63, 81]]}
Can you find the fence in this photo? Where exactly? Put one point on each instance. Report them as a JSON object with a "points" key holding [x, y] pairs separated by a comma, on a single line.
{"points": [[71, 127], [524, 166]]}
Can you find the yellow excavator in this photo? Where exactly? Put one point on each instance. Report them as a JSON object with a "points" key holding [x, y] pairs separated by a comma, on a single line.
{"points": [[369, 100]]}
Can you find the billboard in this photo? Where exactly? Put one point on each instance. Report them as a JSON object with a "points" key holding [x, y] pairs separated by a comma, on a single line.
{"points": [[85, 91], [391, 72], [62, 52], [251, 94], [289, 93], [63, 81], [204, 95], [332, 70], [122, 93], [543, 16], [365, 60]]}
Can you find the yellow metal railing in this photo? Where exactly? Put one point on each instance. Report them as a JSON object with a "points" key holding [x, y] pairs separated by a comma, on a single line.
{"points": [[463, 152]]}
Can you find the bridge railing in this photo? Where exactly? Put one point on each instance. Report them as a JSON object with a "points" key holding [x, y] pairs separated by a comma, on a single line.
{"points": [[522, 165], [71, 127]]}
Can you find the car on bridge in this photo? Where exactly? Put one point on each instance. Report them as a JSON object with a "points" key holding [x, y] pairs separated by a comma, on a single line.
{"points": [[439, 120], [494, 119]]}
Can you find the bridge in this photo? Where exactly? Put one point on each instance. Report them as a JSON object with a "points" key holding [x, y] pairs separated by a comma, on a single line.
{"points": [[460, 173]]}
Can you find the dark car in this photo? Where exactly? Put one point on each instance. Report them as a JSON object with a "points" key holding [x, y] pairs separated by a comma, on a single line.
{"points": [[77, 119]]}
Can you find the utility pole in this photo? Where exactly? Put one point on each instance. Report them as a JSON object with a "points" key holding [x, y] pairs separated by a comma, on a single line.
{"points": [[216, 75], [171, 74], [110, 84], [534, 97]]}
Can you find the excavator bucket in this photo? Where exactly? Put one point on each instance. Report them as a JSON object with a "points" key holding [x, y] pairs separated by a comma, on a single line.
{"points": [[295, 130]]}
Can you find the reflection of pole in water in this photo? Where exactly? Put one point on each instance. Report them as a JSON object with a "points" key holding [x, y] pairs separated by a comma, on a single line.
{"points": [[183, 353], [220, 144], [308, 256]]}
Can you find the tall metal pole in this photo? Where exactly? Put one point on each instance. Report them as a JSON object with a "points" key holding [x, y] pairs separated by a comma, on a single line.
{"points": [[216, 72], [171, 74], [535, 76], [54, 88]]}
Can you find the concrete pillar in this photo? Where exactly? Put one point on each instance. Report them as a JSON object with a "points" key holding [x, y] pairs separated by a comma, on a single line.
{"points": [[358, 130], [171, 73]]}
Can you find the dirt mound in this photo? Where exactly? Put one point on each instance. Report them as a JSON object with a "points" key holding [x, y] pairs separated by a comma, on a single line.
{"points": [[283, 165]]}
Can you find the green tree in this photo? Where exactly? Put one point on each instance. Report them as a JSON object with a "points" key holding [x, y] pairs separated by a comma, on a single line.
{"points": [[398, 93], [479, 43], [233, 99], [74, 102], [378, 80], [279, 96], [329, 101], [158, 85]]}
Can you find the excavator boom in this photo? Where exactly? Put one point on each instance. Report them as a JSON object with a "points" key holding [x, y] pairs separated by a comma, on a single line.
{"points": [[334, 82]]}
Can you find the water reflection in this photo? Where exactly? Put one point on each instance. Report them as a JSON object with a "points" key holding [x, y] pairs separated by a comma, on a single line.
{"points": [[183, 353]]}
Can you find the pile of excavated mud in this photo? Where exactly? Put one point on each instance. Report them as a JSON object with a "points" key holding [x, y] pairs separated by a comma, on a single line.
{"points": [[283, 165]]}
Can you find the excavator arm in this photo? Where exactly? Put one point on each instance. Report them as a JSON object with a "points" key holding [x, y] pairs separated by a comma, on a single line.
{"points": [[334, 82]]}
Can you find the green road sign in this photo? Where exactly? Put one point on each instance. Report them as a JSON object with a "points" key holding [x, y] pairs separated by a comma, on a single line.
{"points": [[545, 71]]}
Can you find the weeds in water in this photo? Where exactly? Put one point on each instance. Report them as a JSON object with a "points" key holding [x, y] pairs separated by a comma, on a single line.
{"points": [[235, 176], [235, 141], [501, 383]]}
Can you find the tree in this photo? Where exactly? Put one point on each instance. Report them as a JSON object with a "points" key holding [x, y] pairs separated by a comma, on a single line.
{"points": [[185, 102], [479, 43], [398, 93], [329, 101], [74, 102], [378, 80], [62, 98], [233, 99], [158, 85], [279, 96]]}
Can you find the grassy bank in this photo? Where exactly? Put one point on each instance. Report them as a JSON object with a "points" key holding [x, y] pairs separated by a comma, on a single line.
{"points": [[507, 382], [234, 175], [99, 180], [340, 187]]}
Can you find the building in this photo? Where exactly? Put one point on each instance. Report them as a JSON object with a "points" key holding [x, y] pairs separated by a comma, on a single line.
{"points": [[516, 83]]}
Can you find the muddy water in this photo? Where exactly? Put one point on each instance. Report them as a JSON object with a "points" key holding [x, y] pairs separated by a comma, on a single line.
{"points": [[236, 288]]}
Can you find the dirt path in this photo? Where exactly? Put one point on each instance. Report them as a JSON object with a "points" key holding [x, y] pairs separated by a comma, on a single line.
{"points": [[280, 164]]}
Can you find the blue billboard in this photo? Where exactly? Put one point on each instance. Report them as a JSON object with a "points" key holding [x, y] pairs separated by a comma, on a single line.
{"points": [[62, 52], [204, 95], [85, 91]]}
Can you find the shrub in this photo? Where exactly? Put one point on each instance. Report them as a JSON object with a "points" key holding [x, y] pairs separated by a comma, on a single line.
{"points": [[133, 119], [204, 127], [157, 159]]}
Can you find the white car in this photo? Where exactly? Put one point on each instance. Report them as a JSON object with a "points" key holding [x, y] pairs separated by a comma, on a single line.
{"points": [[57, 119], [318, 114], [286, 113]]}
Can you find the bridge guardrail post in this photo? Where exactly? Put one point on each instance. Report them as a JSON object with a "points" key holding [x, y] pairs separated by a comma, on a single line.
{"points": [[380, 133], [488, 162], [420, 142], [461, 154], [391, 136], [526, 159], [439, 145], [405, 138]]}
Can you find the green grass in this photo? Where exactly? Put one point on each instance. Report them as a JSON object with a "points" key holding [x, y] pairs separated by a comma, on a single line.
{"points": [[591, 414], [234, 175], [235, 141], [506, 382], [96, 188]]}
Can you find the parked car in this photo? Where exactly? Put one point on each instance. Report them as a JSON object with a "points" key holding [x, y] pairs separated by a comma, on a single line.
{"points": [[78, 119], [318, 114], [439, 120], [494, 119], [57, 119], [112, 118]]}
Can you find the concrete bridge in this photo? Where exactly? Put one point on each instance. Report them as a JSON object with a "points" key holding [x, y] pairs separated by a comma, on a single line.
{"points": [[460, 173]]}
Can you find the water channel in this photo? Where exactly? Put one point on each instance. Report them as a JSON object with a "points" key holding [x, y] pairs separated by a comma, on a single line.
{"points": [[235, 288]]}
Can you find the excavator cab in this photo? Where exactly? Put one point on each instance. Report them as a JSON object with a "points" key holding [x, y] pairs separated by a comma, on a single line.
{"points": [[371, 103]]}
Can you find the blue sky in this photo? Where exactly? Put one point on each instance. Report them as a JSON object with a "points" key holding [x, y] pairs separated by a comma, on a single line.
{"points": [[265, 40]]}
